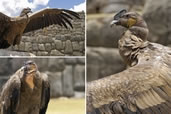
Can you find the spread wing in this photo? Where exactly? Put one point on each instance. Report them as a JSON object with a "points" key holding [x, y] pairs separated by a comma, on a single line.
{"points": [[4, 27], [10, 95], [45, 94], [46, 17], [142, 89]]}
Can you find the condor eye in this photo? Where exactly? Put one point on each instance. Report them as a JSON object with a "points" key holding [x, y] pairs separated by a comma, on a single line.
{"points": [[127, 16]]}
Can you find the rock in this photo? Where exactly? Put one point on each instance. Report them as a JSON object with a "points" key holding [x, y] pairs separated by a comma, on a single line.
{"points": [[55, 84], [14, 53], [76, 46], [3, 80], [159, 29], [21, 46], [79, 95], [5, 66], [28, 46], [79, 78], [77, 53], [100, 34], [56, 65], [48, 47], [56, 53], [81, 61], [68, 47], [41, 47], [71, 61], [42, 53], [35, 47], [58, 44], [108, 6], [16, 64], [103, 62], [82, 46], [68, 89], [41, 63]]}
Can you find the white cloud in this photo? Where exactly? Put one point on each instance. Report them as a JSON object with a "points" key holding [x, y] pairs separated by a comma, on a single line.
{"points": [[80, 7], [14, 7]]}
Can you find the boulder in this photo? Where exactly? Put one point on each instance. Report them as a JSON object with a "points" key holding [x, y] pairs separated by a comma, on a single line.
{"points": [[108, 6], [102, 62], [55, 80], [157, 14], [68, 89], [99, 32]]}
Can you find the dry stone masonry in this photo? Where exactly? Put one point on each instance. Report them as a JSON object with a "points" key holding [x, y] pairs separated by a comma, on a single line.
{"points": [[55, 40]]}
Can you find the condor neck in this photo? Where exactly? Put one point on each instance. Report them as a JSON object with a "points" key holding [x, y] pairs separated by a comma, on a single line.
{"points": [[24, 15], [132, 41], [140, 30]]}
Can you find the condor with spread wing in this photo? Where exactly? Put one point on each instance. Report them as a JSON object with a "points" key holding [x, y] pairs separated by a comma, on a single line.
{"points": [[12, 28], [144, 87], [26, 92]]}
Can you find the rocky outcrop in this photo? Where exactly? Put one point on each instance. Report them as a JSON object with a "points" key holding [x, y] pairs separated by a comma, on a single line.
{"points": [[157, 14], [55, 40], [108, 6], [66, 76], [103, 62], [99, 32]]}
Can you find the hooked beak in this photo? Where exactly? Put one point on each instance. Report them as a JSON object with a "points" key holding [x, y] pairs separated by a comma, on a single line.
{"points": [[30, 11], [116, 22], [117, 17]]}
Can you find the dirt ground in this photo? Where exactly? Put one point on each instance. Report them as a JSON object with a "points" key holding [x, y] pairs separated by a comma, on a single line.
{"points": [[66, 106]]}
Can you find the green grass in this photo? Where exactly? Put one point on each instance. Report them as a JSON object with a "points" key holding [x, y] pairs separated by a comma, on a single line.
{"points": [[66, 106]]}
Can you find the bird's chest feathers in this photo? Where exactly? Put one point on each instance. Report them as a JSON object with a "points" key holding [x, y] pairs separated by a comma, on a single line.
{"points": [[30, 81], [16, 31], [129, 47]]}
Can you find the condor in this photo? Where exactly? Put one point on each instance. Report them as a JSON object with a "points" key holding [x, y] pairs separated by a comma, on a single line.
{"points": [[26, 92], [145, 86], [12, 28]]}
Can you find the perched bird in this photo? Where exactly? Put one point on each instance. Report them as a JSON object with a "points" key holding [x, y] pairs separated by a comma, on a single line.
{"points": [[145, 86], [26, 92], [12, 28]]}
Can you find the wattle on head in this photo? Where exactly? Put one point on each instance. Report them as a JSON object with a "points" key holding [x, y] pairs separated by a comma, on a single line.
{"points": [[133, 22]]}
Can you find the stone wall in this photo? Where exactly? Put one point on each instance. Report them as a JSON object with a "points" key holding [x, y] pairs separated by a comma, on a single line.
{"points": [[66, 76], [55, 40]]}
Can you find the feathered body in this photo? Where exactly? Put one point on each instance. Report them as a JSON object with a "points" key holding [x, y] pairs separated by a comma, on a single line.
{"points": [[12, 28], [26, 92], [145, 86]]}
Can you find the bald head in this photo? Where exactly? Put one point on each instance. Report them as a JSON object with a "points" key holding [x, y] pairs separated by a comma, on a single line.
{"points": [[30, 67], [25, 11], [128, 19]]}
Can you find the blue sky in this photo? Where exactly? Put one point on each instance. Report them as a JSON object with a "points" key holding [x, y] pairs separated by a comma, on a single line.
{"points": [[66, 4], [14, 7]]}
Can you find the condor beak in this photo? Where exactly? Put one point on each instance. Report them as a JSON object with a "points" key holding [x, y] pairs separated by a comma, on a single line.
{"points": [[117, 17], [116, 22]]}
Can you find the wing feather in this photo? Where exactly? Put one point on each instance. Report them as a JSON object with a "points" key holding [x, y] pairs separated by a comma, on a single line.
{"points": [[142, 88], [10, 94], [48, 17], [5, 25]]}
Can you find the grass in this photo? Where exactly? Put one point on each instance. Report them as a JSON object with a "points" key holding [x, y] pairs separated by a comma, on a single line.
{"points": [[66, 106]]}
